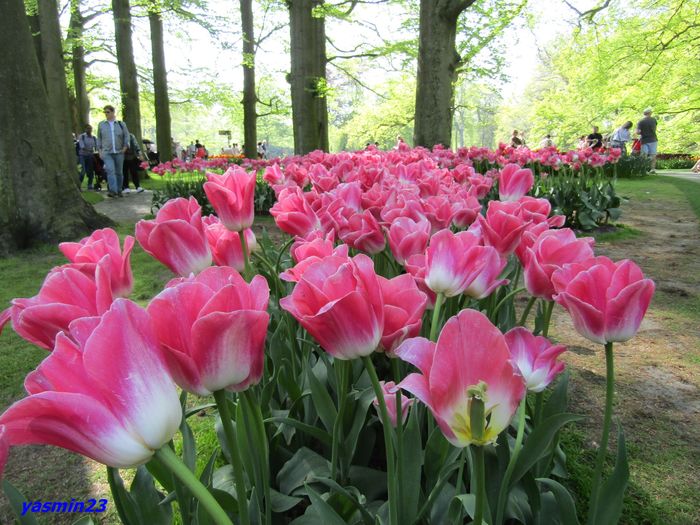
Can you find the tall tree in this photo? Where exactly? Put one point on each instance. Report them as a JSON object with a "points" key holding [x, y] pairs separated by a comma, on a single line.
{"points": [[438, 61], [307, 77], [250, 115], [76, 29], [38, 201], [128, 81], [55, 79], [160, 82]]}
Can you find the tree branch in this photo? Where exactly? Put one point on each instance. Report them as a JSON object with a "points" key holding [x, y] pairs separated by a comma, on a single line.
{"points": [[359, 82]]}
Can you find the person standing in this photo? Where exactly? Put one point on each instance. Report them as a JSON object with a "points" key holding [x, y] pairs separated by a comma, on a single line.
{"points": [[112, 143], [547, 142], [646, 129], [87, 146], [595, 139], [621, 136], [132, 161], [515, 141]]}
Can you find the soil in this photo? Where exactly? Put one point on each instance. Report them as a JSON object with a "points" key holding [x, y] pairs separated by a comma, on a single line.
{"points": [[657, 372]]}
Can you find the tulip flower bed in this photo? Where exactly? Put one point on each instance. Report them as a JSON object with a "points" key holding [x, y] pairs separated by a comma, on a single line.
{"points": [[374, 369]]}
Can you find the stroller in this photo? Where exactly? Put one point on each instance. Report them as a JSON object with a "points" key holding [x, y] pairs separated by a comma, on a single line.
{"points": [[100, 173]]}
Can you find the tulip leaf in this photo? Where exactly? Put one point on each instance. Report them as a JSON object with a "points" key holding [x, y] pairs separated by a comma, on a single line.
{"points": [[612, 491], [438, 454], [197, 409], [362, 404], [17, 499], [559, 399], [189, 446], [301, 467], [208, 472], [412, 463], [124, 503], [85, 520], [366, 516], [315, 432], [322, 399], [565, 503], [369, 481], [281, 502], [161, 473], [224, 499], [538, 443], [324, 511], [147, 499]]}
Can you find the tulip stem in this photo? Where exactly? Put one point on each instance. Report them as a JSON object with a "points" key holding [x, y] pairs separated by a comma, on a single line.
{"points": [[480, 481], [505, 484], [600, 458], [526, 312], [548, 308], [236, 461], [247, 272], [436, 316], [494, 314], [386, 421], [178, 468], [341, 369]]}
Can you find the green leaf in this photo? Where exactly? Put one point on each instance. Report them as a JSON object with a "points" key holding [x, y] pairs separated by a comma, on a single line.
{"points": [[16, 498], [281, 502], [327, 514], [148, 499], [304, 465], [538, 442], [565, 503], [189, 446], [322, 400], [412, 463], [558, 399], [85, 520], [315, 432], [123, 502], [355, 500], [161, 473], [612, 491], [362, 404]]}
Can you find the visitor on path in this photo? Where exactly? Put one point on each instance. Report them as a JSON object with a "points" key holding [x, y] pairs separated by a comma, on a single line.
{"points": [[547, 142], [621, 136], [201, 152], [132, 165], [262, 149], [87, 146], [582, 142], [595, 139], [646, 129], [112, 142], [191, 150], [515, 140]]}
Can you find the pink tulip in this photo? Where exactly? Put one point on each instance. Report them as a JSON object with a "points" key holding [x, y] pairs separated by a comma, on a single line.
{"points": [[103, 392], [501, 228], [457, 263], [232, 195], [312, 255], [514, 182], [362, 232], [465, 210], [225, 245], [404, 305], [176, 237], [293, 214], [100, 243], [316, 244], [339, 302], [471, 353], [218, 340], [389, 390], [535, 357], [606, 300], [415, 266], [408, 237], [69, 292], [551, 251]]}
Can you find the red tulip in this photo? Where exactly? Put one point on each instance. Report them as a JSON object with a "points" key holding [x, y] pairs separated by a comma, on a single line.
{"points": [[225, 245], [176, 237], [103, 392], [69, 292], [404, 305], [457, 263], [339, 302], [219, 338], [100, 243], [232, 195], [408, 237], [471, 353], [551, 251], [606, 300], [535, 357], [514, 182], [390, 389]]}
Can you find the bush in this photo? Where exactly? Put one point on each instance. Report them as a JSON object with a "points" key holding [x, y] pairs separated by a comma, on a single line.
{"points": [[675, 163], [629, 167]]}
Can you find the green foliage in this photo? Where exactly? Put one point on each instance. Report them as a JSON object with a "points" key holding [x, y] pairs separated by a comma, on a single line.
{"points": [[675, 164]]}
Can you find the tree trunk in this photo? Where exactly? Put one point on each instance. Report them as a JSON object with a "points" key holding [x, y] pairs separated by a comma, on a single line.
{"points": [[55, 79], [308, 76], [128, 81], [38, 200], [250, 115], [33, 17], [437, 64], [160, 86], [75, 32]]}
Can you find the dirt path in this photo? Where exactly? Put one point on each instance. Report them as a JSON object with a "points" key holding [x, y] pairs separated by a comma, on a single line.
{"points": [[129, 209]]}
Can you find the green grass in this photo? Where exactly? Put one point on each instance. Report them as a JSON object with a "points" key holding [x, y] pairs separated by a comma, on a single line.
{"points": [[621, 233], [660, 187]]}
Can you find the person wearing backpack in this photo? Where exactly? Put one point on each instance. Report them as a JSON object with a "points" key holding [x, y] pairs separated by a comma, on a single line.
{"points": [[132, 161], [112, 143]]}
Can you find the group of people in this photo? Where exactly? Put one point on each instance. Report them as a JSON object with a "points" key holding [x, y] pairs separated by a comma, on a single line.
{"points": [[517, 140], [114, 150]]}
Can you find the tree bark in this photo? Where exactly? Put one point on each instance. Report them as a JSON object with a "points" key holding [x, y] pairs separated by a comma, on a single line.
{"points": [[250, 115], [36, 39], [38, 199], [160, 86], [308, 75], [438, 61], [55, 80], [75, 32], [128, 81]]}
